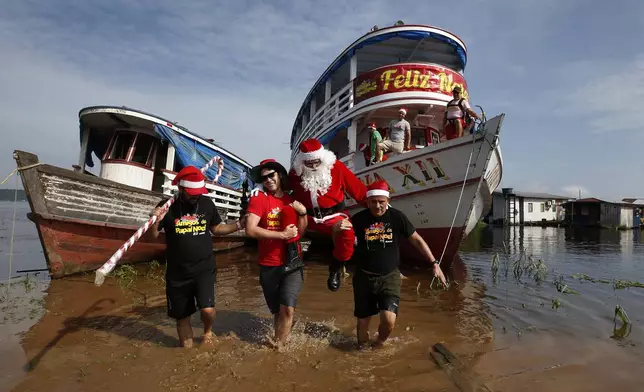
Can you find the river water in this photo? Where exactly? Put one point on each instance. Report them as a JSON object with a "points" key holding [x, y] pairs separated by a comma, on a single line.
{"points": [[526, 326]]}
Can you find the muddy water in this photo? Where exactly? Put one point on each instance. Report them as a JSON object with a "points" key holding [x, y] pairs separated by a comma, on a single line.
{"points": [[70, 335]]}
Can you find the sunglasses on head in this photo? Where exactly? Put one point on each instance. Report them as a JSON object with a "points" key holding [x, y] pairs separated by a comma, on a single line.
{"points": [[265, 177]]}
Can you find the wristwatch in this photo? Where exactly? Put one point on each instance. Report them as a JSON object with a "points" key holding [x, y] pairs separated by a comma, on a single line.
{"points": [[435, 262], [298, 214], [238, 224]]}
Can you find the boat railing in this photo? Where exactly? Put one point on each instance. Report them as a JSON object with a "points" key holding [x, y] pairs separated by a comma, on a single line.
{"points": [[330, 111], [224, 198]]}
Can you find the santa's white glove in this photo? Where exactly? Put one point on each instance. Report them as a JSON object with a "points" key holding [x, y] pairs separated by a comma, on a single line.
{"points": [[256, 190]]}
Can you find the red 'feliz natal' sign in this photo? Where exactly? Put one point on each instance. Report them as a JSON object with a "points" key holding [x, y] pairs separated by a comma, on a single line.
{"points": [[407, 77]]}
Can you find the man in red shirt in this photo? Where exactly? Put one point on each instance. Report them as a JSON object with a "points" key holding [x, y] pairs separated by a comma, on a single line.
{"points": [[277, 221]]}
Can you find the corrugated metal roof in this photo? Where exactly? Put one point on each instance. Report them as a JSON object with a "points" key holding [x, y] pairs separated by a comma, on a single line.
{"points": [[596, 200], [537, 195]]}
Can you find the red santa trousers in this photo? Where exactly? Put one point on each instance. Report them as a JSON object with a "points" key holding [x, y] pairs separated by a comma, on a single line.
{"points": [[342, 242], [288, 216]]}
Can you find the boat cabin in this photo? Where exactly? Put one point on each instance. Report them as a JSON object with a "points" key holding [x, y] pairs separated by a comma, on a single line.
{"points": [[144, 151], [402, 66]]}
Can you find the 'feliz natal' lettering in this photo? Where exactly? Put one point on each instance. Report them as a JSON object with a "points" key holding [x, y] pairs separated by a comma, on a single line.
{"points": [[416, 79]]}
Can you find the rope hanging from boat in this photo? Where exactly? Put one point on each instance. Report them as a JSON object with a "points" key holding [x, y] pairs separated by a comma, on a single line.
{"points": [[102, 272], [13, 230], [458, 204], [17, 170]]}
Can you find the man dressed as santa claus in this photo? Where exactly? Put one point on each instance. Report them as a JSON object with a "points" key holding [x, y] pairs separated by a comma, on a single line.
{"points": [[319, 181]]}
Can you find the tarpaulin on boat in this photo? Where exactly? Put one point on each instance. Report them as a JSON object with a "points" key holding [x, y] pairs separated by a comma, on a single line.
{"points": [[191, 152], [327, 137]]}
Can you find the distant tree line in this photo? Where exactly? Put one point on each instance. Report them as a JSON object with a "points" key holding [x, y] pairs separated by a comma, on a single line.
{"points": [[10, 194]]}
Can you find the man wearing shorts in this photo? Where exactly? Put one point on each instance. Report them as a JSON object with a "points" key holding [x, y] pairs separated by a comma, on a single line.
{"points": [[376, 282], [277, 221], [399, 138], [455, 115], [191, 269]]}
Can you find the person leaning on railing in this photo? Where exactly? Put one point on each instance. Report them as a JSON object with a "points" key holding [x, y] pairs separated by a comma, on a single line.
{"points": [[457, 115]]}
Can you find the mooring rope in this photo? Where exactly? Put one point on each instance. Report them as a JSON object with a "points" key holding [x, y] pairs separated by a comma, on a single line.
{"points": [[13, 230], [458, 204], [19, 169]]}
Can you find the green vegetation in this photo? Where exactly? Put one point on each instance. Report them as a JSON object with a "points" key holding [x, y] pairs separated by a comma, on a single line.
{"points": [[523, 266]]}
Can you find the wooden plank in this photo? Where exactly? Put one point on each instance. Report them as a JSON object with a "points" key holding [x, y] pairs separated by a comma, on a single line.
{"points": [[465, 380]]}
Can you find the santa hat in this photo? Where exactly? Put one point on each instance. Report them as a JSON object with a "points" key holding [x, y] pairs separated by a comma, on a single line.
{"points": [[372, 126], [192, 180], [311, 149], [403, 111], [378, 188], [362, 146]]}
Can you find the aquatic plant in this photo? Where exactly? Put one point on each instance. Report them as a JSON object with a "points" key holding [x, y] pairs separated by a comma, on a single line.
{"points": [[126, 275], [589, 279], [536, 269], [618, 284], [562, 287], [625, 329]]}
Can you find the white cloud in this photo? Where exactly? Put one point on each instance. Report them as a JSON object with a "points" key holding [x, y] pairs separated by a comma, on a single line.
{"points": [[236, 73], [606, 96]]}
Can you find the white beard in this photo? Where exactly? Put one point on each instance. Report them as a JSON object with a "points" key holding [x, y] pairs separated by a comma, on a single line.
{"points": [[318, 180]]}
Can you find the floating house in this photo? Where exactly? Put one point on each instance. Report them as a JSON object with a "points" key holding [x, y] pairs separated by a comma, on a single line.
{"points": [[510, 207], [594, 212]]}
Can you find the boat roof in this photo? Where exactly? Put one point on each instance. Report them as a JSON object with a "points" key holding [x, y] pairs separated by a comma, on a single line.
{"points": [[140, 118]]}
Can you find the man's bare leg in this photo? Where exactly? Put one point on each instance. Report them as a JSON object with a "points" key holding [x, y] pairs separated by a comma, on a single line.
{"points": [[184, 329], [284, 324], [387, 323], [207, 317], [363, 331]]}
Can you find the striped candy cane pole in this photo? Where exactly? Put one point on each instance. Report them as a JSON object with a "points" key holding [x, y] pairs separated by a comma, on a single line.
{"points": [[102, 272]]}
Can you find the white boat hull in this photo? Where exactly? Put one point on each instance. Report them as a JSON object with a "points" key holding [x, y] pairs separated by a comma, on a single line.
{"points": [[439, 193]]}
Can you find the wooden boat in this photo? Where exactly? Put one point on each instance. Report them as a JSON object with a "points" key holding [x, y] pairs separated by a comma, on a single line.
{"points": [[443, 186], [83, 218]]}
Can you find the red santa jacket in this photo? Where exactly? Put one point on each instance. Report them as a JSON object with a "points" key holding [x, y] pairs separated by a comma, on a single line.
{"points": [[342, 180]]}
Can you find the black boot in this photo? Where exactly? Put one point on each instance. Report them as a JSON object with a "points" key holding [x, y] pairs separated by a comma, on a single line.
{"points": [[335, 272], [293, 257]]}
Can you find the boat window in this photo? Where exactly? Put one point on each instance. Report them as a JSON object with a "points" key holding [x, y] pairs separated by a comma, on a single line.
{"points": [[142, 148], [122, 145]]}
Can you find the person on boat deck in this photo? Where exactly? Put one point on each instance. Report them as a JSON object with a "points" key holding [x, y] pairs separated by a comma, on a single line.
{"points": [[377, 279], [399, 138], [370, 153], [454, 120], [191, 269], [374, 139], [277, 221]]}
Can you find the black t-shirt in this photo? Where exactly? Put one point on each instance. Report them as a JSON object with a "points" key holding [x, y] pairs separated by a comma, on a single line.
{"points": [[189, 250], [378, 239]]}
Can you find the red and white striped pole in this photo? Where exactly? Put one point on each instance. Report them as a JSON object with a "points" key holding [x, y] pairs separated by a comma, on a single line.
{"points": [[111, 263]]}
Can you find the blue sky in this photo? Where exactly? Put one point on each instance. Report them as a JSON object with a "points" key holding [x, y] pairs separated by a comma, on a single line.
{"points": [[569, 75]]}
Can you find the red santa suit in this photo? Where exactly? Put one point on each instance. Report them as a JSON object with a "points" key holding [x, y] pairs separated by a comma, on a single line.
{"points": [[325, 206]]}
